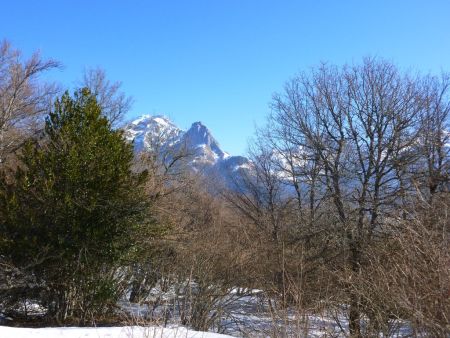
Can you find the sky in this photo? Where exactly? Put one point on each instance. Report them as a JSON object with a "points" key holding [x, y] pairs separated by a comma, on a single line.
{"points": [[220, 61]]}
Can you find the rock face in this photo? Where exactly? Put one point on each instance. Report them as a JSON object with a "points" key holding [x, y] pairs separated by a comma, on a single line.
{"points": [[203, 152]]}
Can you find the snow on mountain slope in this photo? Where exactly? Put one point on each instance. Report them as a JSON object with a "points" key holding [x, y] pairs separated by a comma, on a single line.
{"points": [[203, 152], [149, 131], [199, 137]]}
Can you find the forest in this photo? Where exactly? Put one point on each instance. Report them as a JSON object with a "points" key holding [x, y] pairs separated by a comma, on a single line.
{"points": [[342, 215]]}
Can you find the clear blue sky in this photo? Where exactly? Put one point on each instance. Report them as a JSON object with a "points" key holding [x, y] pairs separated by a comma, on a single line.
{"points": [[219, 62]]}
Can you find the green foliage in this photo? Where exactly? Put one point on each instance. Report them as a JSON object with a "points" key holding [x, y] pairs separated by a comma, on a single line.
{"points": [[74, 208]]}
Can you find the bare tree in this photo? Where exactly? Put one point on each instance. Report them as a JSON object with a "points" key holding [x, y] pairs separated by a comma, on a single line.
{"points": [[434, 141], [258, 193], [360, 122], [24, 98], [114, 103]]}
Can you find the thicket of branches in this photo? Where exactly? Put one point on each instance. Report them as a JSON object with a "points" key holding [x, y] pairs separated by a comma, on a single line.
{"points": [[350, 186], [344, 210]]}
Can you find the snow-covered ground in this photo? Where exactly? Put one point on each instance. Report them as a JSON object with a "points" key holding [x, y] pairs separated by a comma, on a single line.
{"points": [[105, 332], [249, 315], [252, 316]]}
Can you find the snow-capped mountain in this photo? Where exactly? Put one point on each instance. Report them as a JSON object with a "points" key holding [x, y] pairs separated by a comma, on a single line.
{"points": [[149, 131], [202, 151]]}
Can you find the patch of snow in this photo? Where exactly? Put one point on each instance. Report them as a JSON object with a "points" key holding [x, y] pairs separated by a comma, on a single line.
{"points": [[141, 119], [105, 332], [246, 166], [161, 121]]}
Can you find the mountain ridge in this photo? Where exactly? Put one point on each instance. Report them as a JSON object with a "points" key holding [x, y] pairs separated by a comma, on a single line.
{"points": [[204, 154]]}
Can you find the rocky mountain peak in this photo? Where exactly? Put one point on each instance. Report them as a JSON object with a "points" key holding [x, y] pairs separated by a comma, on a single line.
{"points": [[205, 154]]}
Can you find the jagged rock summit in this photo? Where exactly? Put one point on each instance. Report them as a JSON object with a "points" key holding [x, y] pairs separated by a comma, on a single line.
{"points": [[158, 133], [198, 136]]}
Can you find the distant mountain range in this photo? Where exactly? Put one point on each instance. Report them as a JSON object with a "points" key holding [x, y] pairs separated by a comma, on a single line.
{"points": [[203, 152]]}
